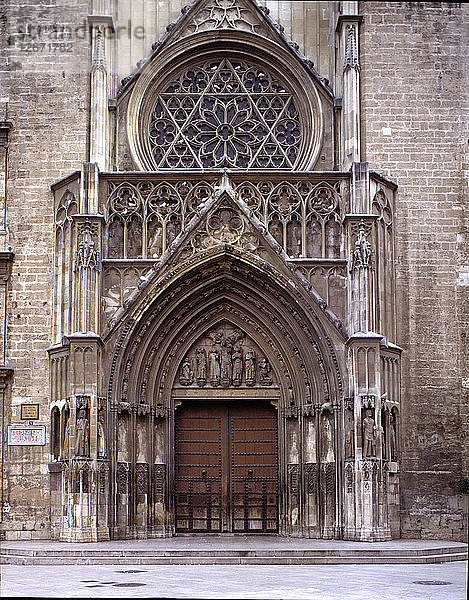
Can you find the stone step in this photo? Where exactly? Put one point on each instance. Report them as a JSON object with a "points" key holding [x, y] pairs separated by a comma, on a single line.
{"points": [[219, 552], [213, 558]]}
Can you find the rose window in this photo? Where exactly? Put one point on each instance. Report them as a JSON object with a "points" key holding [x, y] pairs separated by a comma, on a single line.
{"points": [[225, 114]]}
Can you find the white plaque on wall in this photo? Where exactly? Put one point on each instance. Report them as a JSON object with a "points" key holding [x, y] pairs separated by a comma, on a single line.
{"points": [[20, 435]]}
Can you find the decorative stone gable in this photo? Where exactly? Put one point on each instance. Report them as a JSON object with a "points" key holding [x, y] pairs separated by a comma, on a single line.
{"points": [[222, 14]]}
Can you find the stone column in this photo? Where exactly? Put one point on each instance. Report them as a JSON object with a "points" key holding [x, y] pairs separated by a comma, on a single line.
{"points": [[100, 27], [347, 31], [87, 468], [5, 127], [5, 374], [365, 517]]}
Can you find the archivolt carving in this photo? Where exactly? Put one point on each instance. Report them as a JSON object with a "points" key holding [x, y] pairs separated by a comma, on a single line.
{"points": [[189, 372], [191, 282]]}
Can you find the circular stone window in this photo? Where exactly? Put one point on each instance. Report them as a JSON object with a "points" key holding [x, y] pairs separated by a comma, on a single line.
{"points": [[225, 114], [244, 108]]}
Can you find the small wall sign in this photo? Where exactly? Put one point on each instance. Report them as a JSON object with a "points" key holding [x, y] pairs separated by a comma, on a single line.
{"points": [[29, 412], [20, 435]]}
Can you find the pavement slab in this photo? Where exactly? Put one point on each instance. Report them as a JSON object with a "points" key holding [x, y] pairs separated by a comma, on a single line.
{"points": [[444, 581]]}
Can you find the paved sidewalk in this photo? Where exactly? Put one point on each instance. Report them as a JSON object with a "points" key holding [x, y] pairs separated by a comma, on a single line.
{"points": [[340, 582]]}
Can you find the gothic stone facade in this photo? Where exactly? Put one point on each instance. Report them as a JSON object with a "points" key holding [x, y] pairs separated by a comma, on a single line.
{"points": [[232, 284]]}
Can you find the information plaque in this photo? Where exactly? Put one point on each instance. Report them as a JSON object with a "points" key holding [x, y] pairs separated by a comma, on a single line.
{"points": [[21, 435], [29, 412]]}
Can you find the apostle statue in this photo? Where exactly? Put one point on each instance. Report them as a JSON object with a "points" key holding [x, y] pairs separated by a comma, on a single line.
{"points": [[265, 376], [214, 367], [201, 367], [237, 358], [187, 375], [250, 367], [369, 434], [83, 434]]}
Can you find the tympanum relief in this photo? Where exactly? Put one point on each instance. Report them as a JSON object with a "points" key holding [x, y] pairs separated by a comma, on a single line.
{"points": [[225, 357]]}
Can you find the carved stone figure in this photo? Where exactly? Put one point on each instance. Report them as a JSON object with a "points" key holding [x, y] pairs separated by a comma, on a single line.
{"points": [[201, 367], [226, 364], [66, 441], [171, 234], [237, 358], [100, 434], [134, 239], [296, 240], [116, 240], [186, 376], [250, 367], [349, 437], [326, 441], [276, 232], [155, 244], [86, 256], [369, 434], [265, 377], [83, 434], [362, 255], [214, 367]]}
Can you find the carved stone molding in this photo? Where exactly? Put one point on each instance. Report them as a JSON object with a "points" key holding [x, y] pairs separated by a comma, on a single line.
{"points": [[368, 400], [187, 307], [82, 402], [351, 47], [87, 257], [309, 410]]}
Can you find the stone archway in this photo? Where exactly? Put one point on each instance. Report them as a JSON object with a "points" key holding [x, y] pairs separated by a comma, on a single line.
{"points": [[227, 304]]}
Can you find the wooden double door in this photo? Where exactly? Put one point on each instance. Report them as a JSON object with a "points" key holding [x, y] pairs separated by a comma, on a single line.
{"points": [[226, 468]]}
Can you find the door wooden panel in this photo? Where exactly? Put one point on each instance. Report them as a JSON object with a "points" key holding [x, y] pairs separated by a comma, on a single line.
{"points": [[226, 468], [253, 457]]}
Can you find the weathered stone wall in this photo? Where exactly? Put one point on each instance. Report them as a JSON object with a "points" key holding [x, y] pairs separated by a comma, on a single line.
{"points": [[413, 94], [45, 86]]}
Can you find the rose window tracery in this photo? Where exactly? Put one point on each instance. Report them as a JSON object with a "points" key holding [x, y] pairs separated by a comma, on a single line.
{"points": [[225, 114]]}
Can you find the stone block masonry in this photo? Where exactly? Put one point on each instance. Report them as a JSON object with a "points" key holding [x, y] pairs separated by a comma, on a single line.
{"points": [[413, 102], [44, 89]]}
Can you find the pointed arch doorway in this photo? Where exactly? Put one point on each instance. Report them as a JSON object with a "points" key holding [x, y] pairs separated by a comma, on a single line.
{"points": [[221, 338]]}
